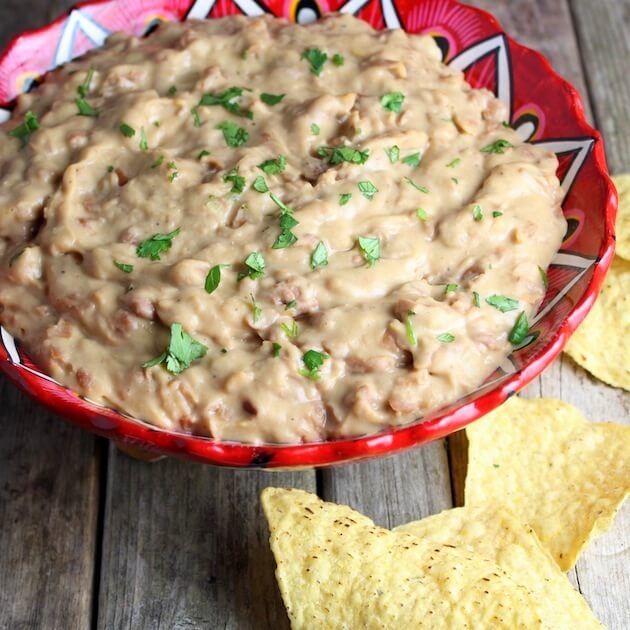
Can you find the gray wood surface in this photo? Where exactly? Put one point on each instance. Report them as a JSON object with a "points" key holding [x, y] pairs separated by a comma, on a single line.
{"points": [[184, 546]]}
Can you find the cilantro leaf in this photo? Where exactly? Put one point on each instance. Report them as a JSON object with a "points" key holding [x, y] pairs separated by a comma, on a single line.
{"points": [[286, 238], [234, 135], [24, 131], [338, 59], [313, 361], [171, 91], [275, 349], [367, 189], [84, 88], [256, 310], [337, 155], [496, 214], [158, 161], [411, 333], [450, 288], [127, 130], [213, 279], [275, 166], [422, 189], [476, 299], [156, 245], [392, 101], [291, 331], [454, 163], [260, 185], [255, 264], [477, 212], [271, 99], [370, 248], [544, 277], [238, 182], [315, 129], [144, 143], [196, 117], [519, 330], [413, 159], [226, 100], [181, 352], [502, 303], [421, 213], [316, 58], [498, 146], [124, 267], [393, 154], [446, 338], [85, 109], [319, 257], [344, 198], [202, 153]]}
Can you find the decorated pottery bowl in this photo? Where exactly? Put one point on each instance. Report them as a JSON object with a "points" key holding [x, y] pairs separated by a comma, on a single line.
{"points": [[544, 109]]}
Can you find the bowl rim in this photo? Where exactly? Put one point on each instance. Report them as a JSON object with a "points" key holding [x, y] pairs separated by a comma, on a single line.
{"points": [[390, 440]]}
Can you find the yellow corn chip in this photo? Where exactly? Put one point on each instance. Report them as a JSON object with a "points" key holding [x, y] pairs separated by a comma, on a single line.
{"points": [[495, 533], [623, 215], [336, 569], [557, 472], [601, 344]]}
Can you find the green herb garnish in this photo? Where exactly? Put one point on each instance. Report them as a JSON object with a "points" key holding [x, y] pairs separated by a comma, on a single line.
{"points": [[275, 166], [422, 189], [271, 99], [260, 185], [412, 160], [84, 88], [450, 288], [158, 161], [313, 361], [502, 303], [275, 349], [256, 310], [234, 135], [315, 129], [156, 245], [454, 163], [181, 352], [392, 101], [338, 59], [290, 304], [24, 131], [237, 181], [127, 130], [367, 189], [344, 198], [226, 100], [316, 59], [476, 299], [498, 146], [213, 279], [370, 248], [337, 155], [85, 109], [393, 153], [319, 257], [286, 238], [477, 212], [411, 333], [543, 277], [202, 153], [171, 91], [519, 330], [446, 338], [255, 264], [421, 213], [496, 214], [144, 143], [126, 268], [291, 331], [196, 117]]}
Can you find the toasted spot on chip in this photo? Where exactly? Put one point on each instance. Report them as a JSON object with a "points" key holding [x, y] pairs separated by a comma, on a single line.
{"points": [[496, 534], [601, 344], [336, 569], [623, 215], [559, 473]]}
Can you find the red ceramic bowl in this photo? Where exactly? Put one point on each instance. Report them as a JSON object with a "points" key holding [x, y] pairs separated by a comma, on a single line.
{"points": [[543, 107]]}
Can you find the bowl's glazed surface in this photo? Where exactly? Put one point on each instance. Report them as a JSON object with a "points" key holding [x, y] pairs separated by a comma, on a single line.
{"points": [[543, 109]]}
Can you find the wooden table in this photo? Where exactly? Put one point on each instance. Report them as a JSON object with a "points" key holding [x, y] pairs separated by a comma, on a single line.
{"points": [[90, 538]]}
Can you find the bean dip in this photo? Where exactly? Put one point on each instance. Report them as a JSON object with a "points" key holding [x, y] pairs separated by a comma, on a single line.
{"points": [[263, 232]]}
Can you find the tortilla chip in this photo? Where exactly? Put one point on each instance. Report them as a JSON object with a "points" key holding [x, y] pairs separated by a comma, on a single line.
{"points": [[496, 534], [623, 215], [601, 344], [557, 472], [336, 569]]}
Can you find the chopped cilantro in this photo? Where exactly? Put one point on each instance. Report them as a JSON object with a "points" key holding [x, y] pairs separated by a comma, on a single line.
{"points": [[275, 166], [85, 109], [237, 181], [477, 212], [315, 129], [411, 333], [271, 99], [181, 352], [446, 338], [275, 349], [412, 160], [126, 268], [496, 214], [344, 198], [286, 238], [450, 288], [338, 59], [313, 361], [196, 117], [544, 277], [319, 257], [156, 245], [202, 154], [234, 135], [213, 279], [392, 101], [290, 304], [421, 213], [144, 143], [519, 330], [367, 189], [27, 128], [260, 185], [422, 189], [453, 163], [502, 303], [283, 207], [498, 146], [171, 91], [316, 59], [476, 299], [174, 174], [110, 169], [255, 264], [393, 153], [455, 180], [158, 161], [84, 88], [291, 331], [256, 310], [127, 131], [337, 155], [370, 248], [226, 100]]}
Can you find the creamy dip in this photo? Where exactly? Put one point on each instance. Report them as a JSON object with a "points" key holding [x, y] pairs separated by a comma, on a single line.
{"points": [[264, 232]]}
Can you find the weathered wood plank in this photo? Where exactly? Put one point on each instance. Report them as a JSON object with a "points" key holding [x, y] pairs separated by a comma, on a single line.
{"points": [[186, 546], [48, 515]]}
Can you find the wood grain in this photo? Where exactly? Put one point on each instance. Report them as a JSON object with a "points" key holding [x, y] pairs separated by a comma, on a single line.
{"points": [[186, 546], [48, 517]]}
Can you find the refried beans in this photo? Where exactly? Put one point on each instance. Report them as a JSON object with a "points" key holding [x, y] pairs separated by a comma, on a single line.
{"points": [[264, 232]]}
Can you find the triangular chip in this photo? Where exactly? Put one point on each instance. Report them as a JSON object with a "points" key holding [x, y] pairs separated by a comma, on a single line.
{"points": [[561, 474], [496, 534], [336, 569], [601, 344], [623, 215]]}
